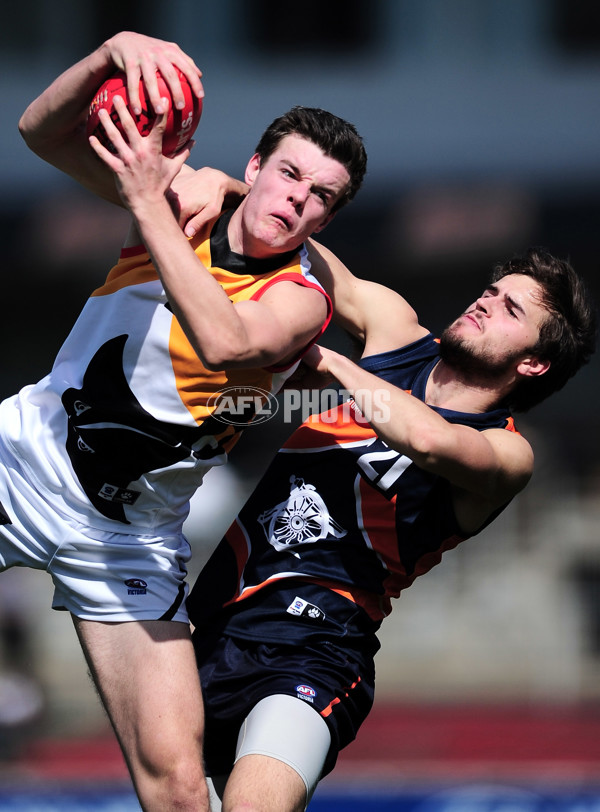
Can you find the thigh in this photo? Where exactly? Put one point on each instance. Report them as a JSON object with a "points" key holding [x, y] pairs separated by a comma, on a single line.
{"points": [[334, 682], [264, 784], [147, 678], [290, 732]]}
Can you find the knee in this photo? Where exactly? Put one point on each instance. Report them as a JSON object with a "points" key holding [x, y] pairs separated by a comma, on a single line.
{"points": [[176, 777], [263, 805], [183, 775]]}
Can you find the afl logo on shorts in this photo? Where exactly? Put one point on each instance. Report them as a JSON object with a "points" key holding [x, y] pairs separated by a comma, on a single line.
{"points": [[306, 692]]}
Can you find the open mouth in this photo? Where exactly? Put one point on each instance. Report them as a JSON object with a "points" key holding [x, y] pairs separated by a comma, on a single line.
{"points": [[286, 223]]}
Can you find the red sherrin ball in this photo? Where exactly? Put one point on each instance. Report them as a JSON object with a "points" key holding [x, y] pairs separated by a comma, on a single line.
{"points": [[181, 124]]}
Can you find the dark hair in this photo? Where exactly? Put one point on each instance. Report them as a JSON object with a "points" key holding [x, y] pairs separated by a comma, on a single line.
{"points": [[567, 336], [337, 138]]}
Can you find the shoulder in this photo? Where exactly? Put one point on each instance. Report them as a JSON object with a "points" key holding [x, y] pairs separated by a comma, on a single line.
{"points": [[296, 294], [514, 461], [514, 452]]}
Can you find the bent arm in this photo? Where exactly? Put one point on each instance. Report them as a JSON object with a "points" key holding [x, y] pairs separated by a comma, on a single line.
{"points": [[373, 313], [197, 196], [271, 330], [53, 125], [491, 465]]}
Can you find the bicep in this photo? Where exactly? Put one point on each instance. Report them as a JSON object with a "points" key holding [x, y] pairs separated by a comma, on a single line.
{"points": [[491, 465], [282, 322], [372, 312]]}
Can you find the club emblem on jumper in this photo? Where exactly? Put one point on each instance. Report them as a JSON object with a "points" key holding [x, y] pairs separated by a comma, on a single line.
{"points": [[302, 519]]}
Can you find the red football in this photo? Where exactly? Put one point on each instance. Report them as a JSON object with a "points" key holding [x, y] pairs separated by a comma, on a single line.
{"points": [[181, 124]]}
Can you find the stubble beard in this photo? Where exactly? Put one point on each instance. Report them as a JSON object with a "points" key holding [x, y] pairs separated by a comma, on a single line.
{"points": [[474, 364]]}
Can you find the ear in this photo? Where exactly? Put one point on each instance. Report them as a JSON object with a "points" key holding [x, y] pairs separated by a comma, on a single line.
{"points": [[532, 367], [252, 169], [325, 222]]}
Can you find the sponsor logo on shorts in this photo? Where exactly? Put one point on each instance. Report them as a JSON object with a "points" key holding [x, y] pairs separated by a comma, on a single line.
{"points": [[302, 608], [306, 692], [136, 586]]}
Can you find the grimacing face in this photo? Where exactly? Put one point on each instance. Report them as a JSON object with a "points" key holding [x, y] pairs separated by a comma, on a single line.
{"points": [[291, 197]]}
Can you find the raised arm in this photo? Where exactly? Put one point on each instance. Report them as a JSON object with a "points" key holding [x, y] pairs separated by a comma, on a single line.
{"points": [[373, 313], [487, 468], [53, 125]]}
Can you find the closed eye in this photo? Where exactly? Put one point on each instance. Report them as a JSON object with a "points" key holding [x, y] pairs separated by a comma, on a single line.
{"points": [[513, 308]]}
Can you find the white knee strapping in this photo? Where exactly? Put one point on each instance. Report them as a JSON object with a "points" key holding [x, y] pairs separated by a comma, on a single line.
{"points": [[289, 730], [215, 794]]}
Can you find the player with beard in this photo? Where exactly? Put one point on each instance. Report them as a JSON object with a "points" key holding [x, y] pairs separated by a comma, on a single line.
{"points": [[420, 454]]}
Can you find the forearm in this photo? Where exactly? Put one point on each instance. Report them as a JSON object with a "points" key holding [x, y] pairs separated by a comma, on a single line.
{"points": [[461, 454], [371, 312], [53, 126], [199, 195], [62, 108], [203, 309], [402, 421]]}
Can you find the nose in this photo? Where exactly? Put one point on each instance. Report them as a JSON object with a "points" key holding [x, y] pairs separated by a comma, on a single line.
{"points": [[299, 194], [483, 304]]}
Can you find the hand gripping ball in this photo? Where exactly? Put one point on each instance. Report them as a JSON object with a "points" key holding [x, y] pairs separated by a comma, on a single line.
{"points": [[181, 124]]}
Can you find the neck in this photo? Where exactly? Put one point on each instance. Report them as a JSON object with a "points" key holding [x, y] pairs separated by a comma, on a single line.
{"points": [[239, 240], [448, 388], [234, 232]]}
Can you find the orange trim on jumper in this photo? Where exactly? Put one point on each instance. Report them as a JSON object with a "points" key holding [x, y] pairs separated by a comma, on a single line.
{"points": [[133, 268], [320, 430], [249, 591], [381, 516]]}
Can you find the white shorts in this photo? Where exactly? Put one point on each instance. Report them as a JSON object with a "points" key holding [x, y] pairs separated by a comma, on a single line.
{"points": [[97, 575]]}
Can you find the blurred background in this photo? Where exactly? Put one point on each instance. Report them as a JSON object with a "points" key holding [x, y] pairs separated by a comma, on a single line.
{"points": [[481, 122]]}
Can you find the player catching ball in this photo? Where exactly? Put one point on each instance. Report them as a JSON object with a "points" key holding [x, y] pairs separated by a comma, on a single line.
{"points": [[99, 459]]}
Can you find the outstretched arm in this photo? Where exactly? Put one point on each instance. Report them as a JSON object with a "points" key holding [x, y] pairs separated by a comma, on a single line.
{"points": [[53, 125], [487, 467]]}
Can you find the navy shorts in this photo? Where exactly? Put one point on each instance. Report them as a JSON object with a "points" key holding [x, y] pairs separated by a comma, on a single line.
{"points": [[337, 681]]}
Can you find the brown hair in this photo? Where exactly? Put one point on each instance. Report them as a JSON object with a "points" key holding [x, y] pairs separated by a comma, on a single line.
{"points": [[337, 138], [567, 336]]}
